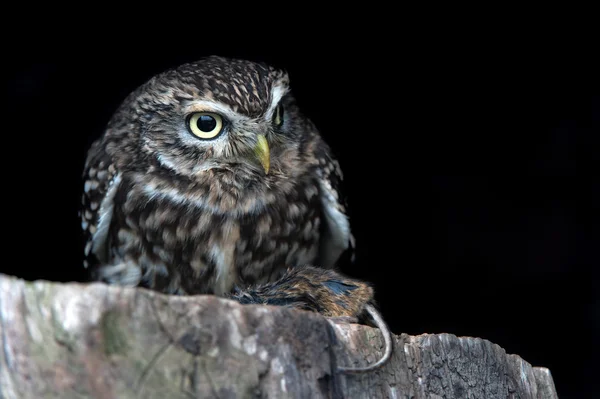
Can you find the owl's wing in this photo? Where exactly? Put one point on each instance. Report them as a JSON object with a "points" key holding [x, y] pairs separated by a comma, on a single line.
{"points": [[101, 181], [336, 235]]}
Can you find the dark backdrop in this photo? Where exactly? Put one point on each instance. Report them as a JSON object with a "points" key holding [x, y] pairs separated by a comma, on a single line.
{"points": [[468, 170]]}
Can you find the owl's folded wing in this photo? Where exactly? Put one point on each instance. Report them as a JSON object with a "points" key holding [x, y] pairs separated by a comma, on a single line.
{"points": [[336, 236], [101, 181]]}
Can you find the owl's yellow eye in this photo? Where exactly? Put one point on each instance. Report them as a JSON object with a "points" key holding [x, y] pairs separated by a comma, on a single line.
{"points": [[206, 125], [278, 116]]}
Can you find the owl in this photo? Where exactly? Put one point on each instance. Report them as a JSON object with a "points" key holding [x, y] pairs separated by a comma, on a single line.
{"points": [[209, 179]]}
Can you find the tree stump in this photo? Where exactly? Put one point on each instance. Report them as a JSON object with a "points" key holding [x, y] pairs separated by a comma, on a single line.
{"points": [[97, 341]]}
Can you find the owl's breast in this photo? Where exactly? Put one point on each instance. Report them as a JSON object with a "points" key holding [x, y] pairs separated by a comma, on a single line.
{"points": [[184, 246], [285, 234]]}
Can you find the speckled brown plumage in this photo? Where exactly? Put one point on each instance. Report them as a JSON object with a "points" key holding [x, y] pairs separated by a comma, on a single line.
{"points": [[167, 210]]}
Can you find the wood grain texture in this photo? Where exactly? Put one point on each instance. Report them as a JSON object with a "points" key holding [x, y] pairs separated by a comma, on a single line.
{"points": [[98, 341]]}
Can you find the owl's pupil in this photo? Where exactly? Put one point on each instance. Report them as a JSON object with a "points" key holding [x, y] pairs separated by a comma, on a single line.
{"points": [[206, 123]]}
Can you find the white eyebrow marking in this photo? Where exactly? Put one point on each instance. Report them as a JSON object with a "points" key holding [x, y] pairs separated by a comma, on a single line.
{"points": [[277, 93], [217, 107]]}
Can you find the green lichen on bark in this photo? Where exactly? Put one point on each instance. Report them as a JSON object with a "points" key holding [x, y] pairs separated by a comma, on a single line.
{"points": [[115, 340]]}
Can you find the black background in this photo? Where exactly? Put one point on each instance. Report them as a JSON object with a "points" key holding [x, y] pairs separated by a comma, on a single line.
{"points": [[468, 165]]}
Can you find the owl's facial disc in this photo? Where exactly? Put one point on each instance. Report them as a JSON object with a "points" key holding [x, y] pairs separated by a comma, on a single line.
{"points": [[219, 126], [207, 126], [224, 136]]}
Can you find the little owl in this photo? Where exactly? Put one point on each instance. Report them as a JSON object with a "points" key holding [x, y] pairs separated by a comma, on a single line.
{"points": [[209, 180]]}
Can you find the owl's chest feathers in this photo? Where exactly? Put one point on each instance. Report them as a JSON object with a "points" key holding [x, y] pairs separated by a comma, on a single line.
{"points": [[186, 236]]}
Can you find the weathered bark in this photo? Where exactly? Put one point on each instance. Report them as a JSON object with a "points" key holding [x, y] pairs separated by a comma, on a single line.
{"points": [[95, 341]]}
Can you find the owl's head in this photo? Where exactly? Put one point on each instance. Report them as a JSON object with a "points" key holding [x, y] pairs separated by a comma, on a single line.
{"points": [[216, 114]]}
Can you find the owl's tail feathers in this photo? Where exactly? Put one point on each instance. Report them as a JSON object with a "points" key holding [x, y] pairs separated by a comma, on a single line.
{"points": [[323, 291]]}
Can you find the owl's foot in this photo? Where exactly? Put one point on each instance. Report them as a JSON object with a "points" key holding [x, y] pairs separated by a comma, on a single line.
{"points": [[327, 292]]}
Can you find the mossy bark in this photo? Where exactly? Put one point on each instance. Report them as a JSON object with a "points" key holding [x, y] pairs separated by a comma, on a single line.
{"points": [[96, 341]]}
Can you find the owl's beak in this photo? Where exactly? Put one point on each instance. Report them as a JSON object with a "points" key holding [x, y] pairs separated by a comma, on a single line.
{"points": [[261, 150]]}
